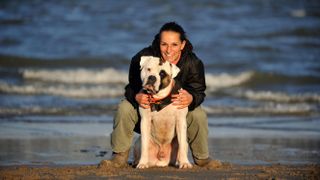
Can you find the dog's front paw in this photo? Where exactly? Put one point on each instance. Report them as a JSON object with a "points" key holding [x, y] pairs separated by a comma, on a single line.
{"points": [[185, 165], [142, 166]]}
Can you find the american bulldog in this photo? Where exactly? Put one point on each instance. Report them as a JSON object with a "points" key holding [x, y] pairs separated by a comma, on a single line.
{"points": [[163, 138]]}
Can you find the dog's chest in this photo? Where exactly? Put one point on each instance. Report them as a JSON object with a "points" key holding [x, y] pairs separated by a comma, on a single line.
{"points": [[163, 124]]}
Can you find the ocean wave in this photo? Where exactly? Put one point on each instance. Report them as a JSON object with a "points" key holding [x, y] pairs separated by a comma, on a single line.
{"points": [[65, 90], [298, 13], [110, 82], [224, 80], [107, 75], [56, 110], [31, 110], [14, 61], [111, 75], [263, 109], [89, 83], [278, 96], [60, 119]]}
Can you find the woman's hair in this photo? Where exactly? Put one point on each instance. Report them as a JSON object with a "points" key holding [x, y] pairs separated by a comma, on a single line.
{"points": [[171, 26]]}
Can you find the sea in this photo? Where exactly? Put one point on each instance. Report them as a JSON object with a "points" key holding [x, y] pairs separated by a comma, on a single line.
{"points": [[67, 61]]}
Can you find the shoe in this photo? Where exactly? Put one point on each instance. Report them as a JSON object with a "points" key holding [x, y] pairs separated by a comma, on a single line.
{"points": [[118, 160], [208, 163]]}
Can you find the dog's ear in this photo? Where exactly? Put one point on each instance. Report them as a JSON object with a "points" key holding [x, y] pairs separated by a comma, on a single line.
{"points": [[175, 70], [161, 61], [143, 60]]}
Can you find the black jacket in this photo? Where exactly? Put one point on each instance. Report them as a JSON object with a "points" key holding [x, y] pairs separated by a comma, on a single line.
{"points": [[191, 76]]}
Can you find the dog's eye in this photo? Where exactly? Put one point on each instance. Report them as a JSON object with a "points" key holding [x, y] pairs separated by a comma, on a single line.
{"points": [[162, 73], [149, 69]]}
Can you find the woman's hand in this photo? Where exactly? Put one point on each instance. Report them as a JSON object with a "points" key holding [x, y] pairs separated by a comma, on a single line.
{"points": [[143, 100], [183, 99]]}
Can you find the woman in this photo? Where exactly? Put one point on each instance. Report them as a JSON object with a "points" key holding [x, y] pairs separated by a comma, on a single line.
{"points": [[171, 45]]}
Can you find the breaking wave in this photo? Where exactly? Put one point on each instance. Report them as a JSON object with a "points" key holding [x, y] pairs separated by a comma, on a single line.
{"points": [[278, 96], [110, 75], [264, 109], [107, 75], [224, 80], [92, 83], [65, 90], [110, 82]]}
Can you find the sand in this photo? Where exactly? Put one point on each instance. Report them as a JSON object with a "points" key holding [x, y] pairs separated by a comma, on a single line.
{"points": [[74, 151], [227, 171]]}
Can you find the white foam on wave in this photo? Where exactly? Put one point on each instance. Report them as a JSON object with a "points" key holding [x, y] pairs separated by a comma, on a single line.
{"points": [[86, 83], [65, 90], [110, 75], [279, 96], [28, 110], [263, 109], [298, 13], [224, 80], [97, 76]]}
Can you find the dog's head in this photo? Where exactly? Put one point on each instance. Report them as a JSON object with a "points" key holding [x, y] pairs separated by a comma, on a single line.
{"points": [[156, 74]]}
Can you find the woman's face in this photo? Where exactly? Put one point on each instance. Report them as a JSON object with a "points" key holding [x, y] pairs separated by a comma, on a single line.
{"points": [[171, 46]]}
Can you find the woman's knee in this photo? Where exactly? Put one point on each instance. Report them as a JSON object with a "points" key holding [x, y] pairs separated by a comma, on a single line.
{"points": [[126, 111], [125, 105], [197, 116]]}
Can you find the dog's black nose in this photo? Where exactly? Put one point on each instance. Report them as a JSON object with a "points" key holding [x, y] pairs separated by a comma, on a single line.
{"points": [[151, 80]]}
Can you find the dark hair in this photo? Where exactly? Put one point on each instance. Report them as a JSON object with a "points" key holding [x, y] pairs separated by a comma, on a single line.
{"points": [[173, 26]]}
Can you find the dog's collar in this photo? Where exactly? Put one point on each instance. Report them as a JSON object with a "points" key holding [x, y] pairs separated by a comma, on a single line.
{"points": [[157, 104]]}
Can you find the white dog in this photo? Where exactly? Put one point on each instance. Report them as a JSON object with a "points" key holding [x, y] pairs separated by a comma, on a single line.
{"points": [[162, 125]]}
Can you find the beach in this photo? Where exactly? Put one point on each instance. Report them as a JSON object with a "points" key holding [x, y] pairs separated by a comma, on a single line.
{"points": [[100, 172], [79, 159], [74, 151]]}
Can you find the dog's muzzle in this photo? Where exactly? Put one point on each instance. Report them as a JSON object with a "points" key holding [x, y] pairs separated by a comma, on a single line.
{"points": [[149, 86]]}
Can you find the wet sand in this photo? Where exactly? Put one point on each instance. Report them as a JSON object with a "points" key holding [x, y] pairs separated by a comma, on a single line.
{"points": [[92, 150], [74, 151], [227, 171], [79, 158]]}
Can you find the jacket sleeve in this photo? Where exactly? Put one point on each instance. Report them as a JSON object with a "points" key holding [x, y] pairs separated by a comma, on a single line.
{"points": [[135, 83], [195, 83]]}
